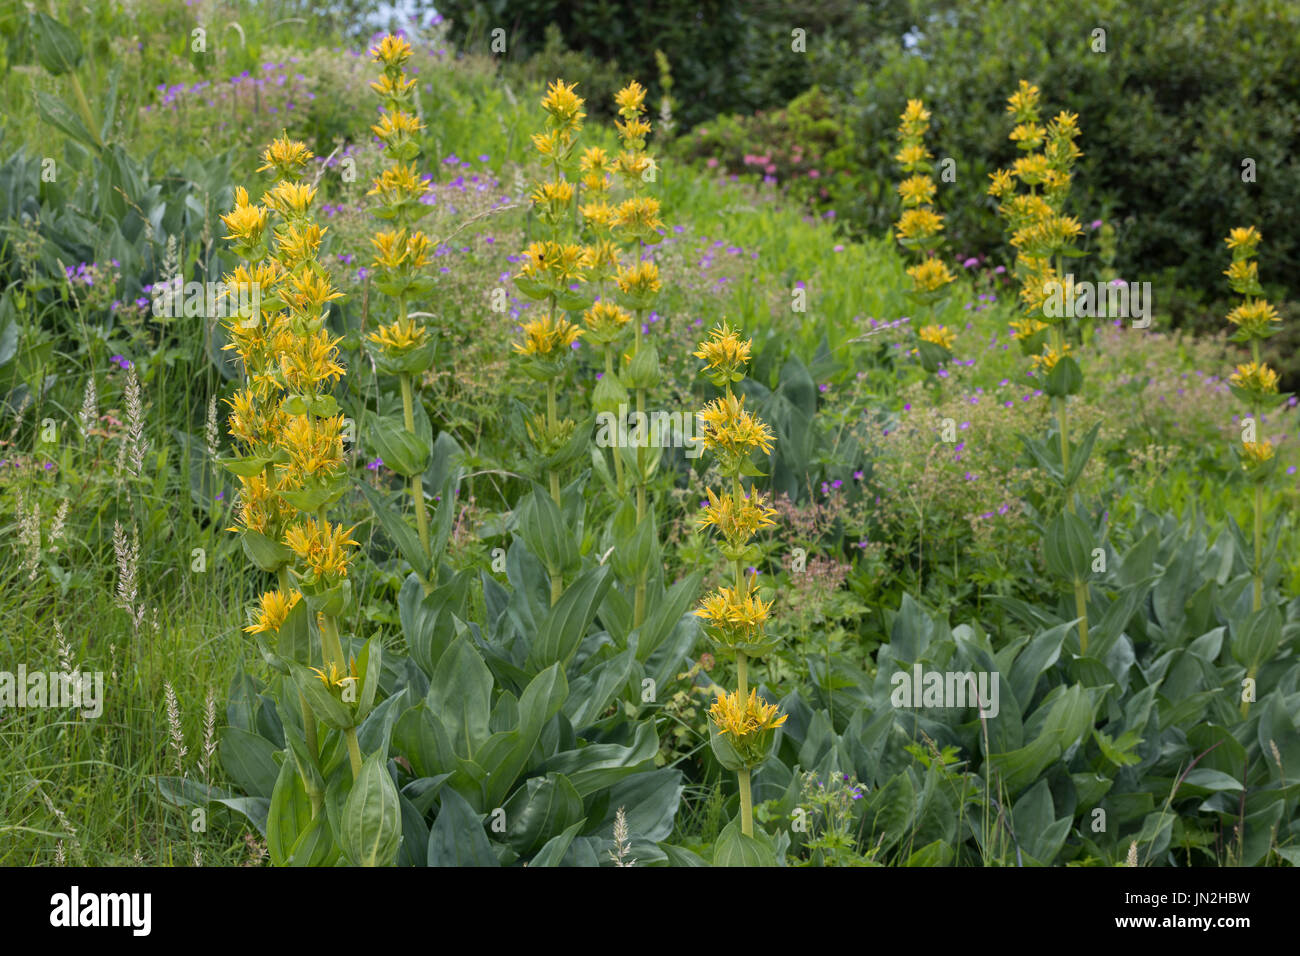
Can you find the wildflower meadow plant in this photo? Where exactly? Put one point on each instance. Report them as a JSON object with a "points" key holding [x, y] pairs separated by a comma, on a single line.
{"points": [[1043, 237], [288, 428], [1253, 382], [742, 727], [553, 272], [635, 225], [919, 229], [403, 347]]}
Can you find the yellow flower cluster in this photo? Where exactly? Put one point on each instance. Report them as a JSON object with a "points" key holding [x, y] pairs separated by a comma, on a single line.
{"points": [[745, 718], [731, 431], [401, 254], [1255, 377], [283, 420], [1046, 361], [736, 616], [639, 278], [724, 356], [1039, 228], [273, 608], [1255, 320], [919, 225], [553, 265], [919, 229], [605, 321], [1040, 231], [937, 335], [548, 337], [748, 724]]}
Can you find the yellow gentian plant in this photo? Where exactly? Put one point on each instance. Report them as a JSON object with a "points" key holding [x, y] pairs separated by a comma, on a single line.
{"points": [[1253, 382], [1043, 236], [403, 347], [919, 229], [636, 224], [289, 429], [742, 727], [551, 265]]}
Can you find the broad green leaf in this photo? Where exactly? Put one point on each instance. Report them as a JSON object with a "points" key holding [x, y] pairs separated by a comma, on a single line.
{"points": [[457, 837], [250, 761], [460, 695], [566, 623], [57, 48], [556, 847], [598, 766], [540, 810], [372, 816], [288, 816]]}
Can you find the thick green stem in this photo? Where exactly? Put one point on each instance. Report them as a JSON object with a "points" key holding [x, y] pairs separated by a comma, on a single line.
{"points": [[639, 599], [746, 798], [417, 481], [354, 751], [1258, 570], [746, 804], [308, 721], [618, 454], [1063, 426], [83, 106], [552, 415], [1259, 546]]}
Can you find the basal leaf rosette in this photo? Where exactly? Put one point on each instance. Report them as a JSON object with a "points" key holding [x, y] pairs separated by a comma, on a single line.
{"points": [[743, 732]]}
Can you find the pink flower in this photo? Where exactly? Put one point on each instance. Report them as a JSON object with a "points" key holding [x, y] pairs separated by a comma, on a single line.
{"points": [[813, 174], [711, 162]]}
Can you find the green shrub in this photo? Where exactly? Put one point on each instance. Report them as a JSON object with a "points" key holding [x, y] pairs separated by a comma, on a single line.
{"points": [[1180, 97]]}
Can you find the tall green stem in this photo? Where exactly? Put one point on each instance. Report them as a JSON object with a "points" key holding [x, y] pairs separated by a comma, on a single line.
{"points": [[332, 652], [1063, 426], [639, 599], [746, 803], [1258, 570], [1259, 547], [618, 455], [308, 720], [552, 416], [417, 481], [746, 797]]}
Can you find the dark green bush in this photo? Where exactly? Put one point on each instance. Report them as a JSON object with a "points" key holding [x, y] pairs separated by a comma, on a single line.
{"points": [[1181, 96], [726, 56]]}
